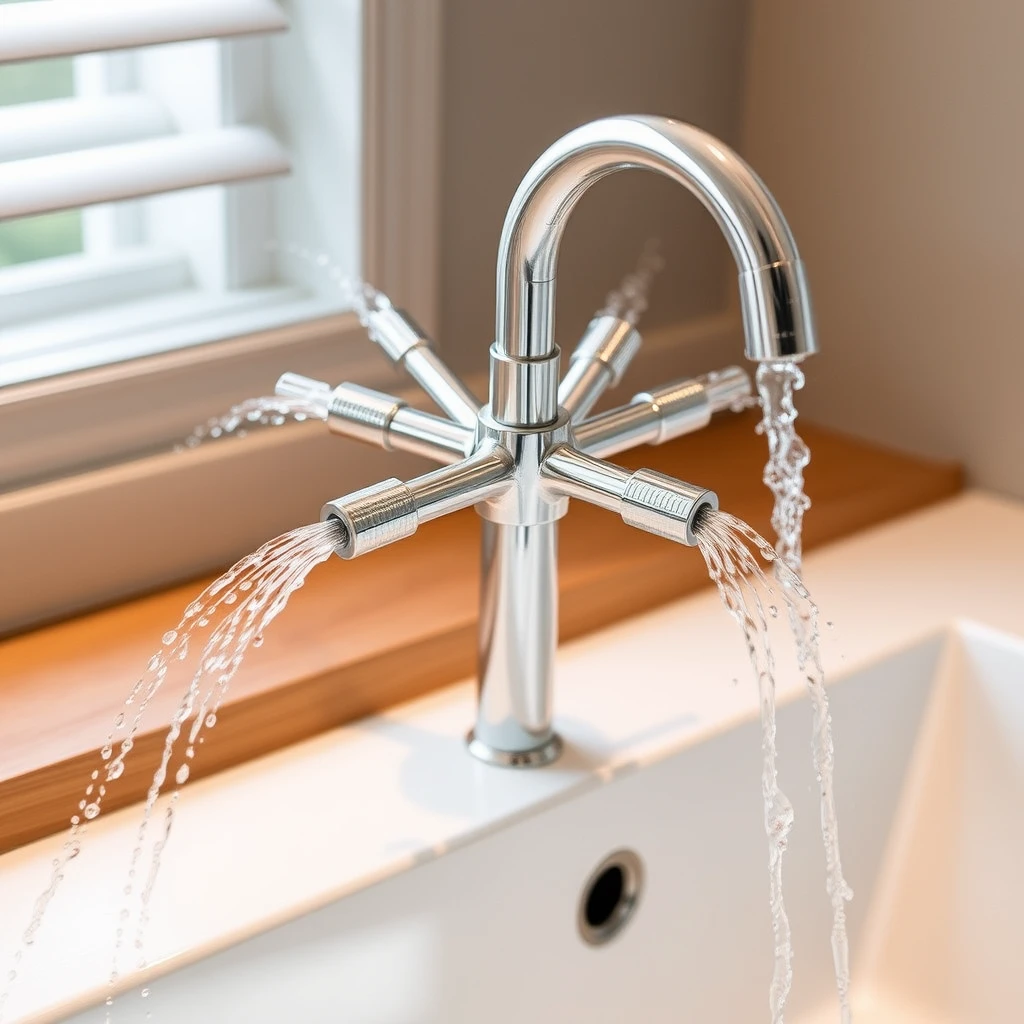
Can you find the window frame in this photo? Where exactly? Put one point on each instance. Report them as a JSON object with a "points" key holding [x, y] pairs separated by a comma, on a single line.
{"points": [[78, 443]]}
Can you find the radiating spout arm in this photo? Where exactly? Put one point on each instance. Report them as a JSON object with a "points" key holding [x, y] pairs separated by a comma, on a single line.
{"points": [[598, 362], [406, 345], [378, 418], [645, 499], [391, 510], [661, 414]]}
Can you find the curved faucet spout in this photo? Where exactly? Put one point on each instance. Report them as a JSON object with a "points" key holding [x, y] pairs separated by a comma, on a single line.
{"points": [[773, 293]]}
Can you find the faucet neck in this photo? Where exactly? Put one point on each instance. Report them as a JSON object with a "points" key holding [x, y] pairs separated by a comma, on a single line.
{"points": [[773, 292]]}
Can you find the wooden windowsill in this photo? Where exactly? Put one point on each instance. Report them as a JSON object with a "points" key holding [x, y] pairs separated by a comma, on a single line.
{"points": [[367, 634]]}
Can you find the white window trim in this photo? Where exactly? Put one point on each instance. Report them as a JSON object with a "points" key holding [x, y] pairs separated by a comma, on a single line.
{"points": [[74, 541]]}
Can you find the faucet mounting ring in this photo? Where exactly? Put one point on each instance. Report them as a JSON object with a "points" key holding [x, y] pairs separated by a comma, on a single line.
{"points": [[537, 757]]}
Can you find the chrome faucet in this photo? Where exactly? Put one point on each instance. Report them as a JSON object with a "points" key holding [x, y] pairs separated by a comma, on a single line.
{"points": [[520, 458]]}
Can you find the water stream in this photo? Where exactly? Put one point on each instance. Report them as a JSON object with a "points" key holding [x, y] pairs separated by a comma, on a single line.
{"points": [[788, 456], [268, 411], [274, 410], [727, 545], [227, 618]]}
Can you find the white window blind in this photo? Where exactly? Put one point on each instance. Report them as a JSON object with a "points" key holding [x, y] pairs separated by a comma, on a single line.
{"points": [[80, 152], [164, 307]]}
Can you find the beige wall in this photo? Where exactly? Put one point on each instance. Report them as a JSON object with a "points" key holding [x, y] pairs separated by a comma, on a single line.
{"points": [[892, 133], [516, 77]]}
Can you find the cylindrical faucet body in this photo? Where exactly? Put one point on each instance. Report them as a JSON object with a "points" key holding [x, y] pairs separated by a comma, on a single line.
{"points": [[518, 626]]}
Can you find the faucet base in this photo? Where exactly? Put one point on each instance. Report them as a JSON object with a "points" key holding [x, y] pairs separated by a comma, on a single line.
{"points": [[547, 753]]}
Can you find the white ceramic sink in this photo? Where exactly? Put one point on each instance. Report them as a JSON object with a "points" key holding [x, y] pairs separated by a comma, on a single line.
{"points": [[416, 886], [932, 800]]}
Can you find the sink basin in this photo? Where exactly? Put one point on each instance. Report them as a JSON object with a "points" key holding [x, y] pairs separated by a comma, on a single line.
{"points": [[380, 875], [932, 741]]}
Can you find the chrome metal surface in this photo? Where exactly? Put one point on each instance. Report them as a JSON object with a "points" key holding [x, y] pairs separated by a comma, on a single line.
{"points": [[412, 430], [406, 344], [524, 392], [362, 413], [575, 474], [529, 502], [378, 418], [518, 637], [773, 291], [487, 472], [523, 457], [607, 347], [450, 394], [373, 517], [537, 757], [645, 499], [659, 415], [665, 506]]}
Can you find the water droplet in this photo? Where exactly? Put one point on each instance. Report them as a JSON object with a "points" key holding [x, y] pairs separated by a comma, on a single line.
{"points": [[106, 752], [211, 720], [75, 819], [169, 637], [773, 611], [92, 810], [182, 776], [204, 621], [119, 721], [190, 752], [96, 774], [230, 598], [144, 993], [88, 789], [257, 640], [245, 585], [110, 1000], [830, 624]]}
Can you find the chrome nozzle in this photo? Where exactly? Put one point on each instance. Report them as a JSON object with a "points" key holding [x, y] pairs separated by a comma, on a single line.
{"points": [[648, 500], [778, 322]]}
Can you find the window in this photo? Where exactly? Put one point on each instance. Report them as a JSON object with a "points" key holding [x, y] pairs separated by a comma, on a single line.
{"points": [[48, 235], [149, 152]]}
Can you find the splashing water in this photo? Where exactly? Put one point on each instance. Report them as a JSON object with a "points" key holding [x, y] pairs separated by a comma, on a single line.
{"points": [[274, 410], [242, 603], [363, 297], [734, 571], [271, 410], [787, 456], [725, 542], [630, 299]]}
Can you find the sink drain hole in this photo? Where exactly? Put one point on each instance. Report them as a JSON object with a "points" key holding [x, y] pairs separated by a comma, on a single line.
{"points": [[610, 897]]}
